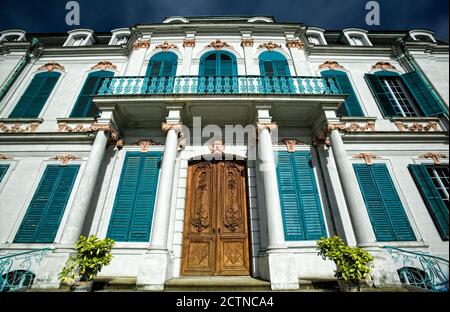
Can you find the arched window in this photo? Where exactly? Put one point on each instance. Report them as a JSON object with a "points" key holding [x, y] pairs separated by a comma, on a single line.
{"points": [[351, 106], [36, 95], [84, 106], [218, 63], [273, 64], [162, 64]]}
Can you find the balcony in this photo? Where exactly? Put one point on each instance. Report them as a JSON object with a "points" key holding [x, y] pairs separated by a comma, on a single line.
{"points": [[142, 101], [218, 85]]}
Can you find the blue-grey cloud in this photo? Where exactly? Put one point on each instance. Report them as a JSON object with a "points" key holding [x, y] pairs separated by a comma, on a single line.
{"points": [[104, 15]]}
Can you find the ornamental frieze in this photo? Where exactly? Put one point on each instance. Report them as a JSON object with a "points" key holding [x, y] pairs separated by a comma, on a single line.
{"points": [[290, 144], [417, 127], [323, 137], [189, 43], [112, 135], [18, 128], [218, 44], [104, 65], [64, 159], [294, 43], [331, 65], [52, 66], [247, 43], [368, 157], [145, 144], [270, 46], [141, 44], [435, 156], [383, 66], [166, 46]]}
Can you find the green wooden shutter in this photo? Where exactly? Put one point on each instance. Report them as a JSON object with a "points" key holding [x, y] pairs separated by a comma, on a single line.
{"points": [[41, 222], [386, 212], [436, 206], [3, 169], [422, 94], [351, 106], [36, 95], [382, 96], [135, 199], [300, 203], [84, 106]]}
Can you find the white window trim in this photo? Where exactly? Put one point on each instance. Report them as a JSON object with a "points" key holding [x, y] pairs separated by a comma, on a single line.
{"points": [[348, 33], [73, 34], [119, 33], [318, 32]]}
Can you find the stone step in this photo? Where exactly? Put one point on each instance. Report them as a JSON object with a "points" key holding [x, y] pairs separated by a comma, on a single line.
{"points": [[221, 283]]}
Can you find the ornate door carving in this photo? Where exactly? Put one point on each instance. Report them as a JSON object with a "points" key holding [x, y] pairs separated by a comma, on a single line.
{"points": [[216, 229]]}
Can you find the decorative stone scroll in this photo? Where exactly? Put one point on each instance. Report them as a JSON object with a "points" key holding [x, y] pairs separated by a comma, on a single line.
{"points": [[269, 126], [417, 127], [247, 43], [383, 66], [295, 43], [331, 65], [270, 46], [178, 127], [290, 144], [52, 66], [166, 46], [435, 156], [4, 157], [354, 127], [104, 65], [323, 138], [218, 44], [18, 128], [112, 135], [64, 159], [189, 43], [368, 157], [141, 44]]}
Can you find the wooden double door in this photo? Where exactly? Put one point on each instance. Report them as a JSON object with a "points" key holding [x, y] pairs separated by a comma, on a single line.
{"points": [[216, 240]]}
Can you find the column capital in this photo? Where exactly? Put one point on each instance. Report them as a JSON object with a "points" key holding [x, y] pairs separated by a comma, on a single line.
{"points": [[266, 125], [323, 136], [178, 127]]}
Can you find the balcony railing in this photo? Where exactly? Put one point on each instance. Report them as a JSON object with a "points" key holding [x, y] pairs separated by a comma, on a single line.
{"points": [[421, 270], [18, 271], [218, 85]]}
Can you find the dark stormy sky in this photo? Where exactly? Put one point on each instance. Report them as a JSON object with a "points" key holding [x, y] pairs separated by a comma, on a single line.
{"points": [[105, 15]]}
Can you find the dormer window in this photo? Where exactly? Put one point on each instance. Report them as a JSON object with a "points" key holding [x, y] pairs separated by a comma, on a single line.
{"points": [[14, 35], [356, 37], [316, 36], [79, 38], [422, 35], [120, 36]]}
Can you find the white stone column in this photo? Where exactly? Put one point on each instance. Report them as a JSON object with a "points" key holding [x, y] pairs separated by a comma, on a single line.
{"points": [[355, 202], [83, 196], [152, 272], [281, 265]]}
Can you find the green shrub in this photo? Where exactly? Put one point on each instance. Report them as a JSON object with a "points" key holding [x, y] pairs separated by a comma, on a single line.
{"points": [[92, 255], [352, 263]]}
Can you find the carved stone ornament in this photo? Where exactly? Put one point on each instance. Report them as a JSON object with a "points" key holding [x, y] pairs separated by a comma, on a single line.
{"points": [[435, 156], [218, 44], [145, 144], [295, 43], [417, 127], [18, 128], [112, 135], [189, 43], [104, 65], [168, 126], [383, 66], [368, 157], [233, 215], [141, 44], [269, 46], [247, 42], [217, 147], [354, 127], [51, 67], [290, 144], [119, 144], [4, 157], [270, 126], [166, 46], [199, 218], [64, 159], [332, 65]]}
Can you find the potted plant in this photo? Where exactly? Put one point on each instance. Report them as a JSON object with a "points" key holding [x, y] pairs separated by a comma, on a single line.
{"points": [[352, 263], [82, 268]]}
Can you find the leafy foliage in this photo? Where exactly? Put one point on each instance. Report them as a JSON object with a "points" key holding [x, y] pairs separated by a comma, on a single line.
{"points": [[352, 262], [92, 255]]}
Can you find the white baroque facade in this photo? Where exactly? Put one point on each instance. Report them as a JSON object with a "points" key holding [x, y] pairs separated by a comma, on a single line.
{"points": [[351, 133]]}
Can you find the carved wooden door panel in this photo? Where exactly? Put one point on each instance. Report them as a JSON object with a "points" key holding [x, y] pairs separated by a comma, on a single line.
{"points": [[216, 226]]}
